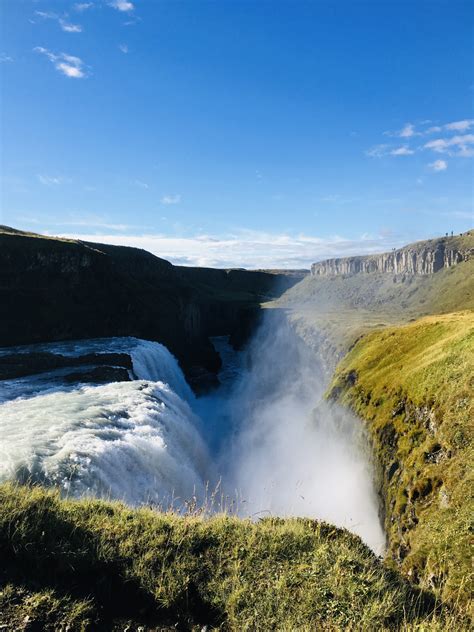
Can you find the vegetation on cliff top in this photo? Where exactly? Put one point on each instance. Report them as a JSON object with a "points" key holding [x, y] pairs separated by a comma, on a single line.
{"points": [[414, 384], [95, 565]]}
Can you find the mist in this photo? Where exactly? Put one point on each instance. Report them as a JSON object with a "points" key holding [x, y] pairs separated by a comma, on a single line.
{"points": [[265, 439], [280, 448]]}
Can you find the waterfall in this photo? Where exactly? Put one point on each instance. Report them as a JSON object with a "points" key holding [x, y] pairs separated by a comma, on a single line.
{"points": [[262, 435], [137, 441]]}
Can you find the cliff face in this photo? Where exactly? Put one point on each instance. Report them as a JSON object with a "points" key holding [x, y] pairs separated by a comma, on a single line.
{"points": [[57, 289], [424, 257]]}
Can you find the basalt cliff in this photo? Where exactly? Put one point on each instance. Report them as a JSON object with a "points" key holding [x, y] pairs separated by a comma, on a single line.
{"points": [[424, 257]]}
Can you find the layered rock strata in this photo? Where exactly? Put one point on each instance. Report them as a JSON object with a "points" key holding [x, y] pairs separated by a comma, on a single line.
{"points": [[425, 257]]}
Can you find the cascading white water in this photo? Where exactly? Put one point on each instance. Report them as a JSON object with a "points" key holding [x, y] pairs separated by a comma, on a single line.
{"points": [[137, 441], [151, 441]]}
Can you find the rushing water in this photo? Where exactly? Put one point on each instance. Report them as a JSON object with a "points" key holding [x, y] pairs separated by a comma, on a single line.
{"points": [[261, 437]]}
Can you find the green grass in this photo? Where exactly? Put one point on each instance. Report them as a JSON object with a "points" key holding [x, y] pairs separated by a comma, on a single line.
{"points": [[414, 385], [93, 565]]}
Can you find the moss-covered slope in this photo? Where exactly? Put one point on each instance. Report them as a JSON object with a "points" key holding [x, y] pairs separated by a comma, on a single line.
{"points": [[414, 385], [93, 565]]}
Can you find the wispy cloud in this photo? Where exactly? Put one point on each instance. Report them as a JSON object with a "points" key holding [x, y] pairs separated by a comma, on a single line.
{"points": [[459, 145], [123, 48], [82, 6], [407, 131], [4, 58], [51, 180], [65, 25], [438, 165], [402, 151], [459, 126], [121, 5], [378, 151], [141, 184], [68, 65], [70, 28], [47, 15], [171, 199], [248, 249], [455, 126]]}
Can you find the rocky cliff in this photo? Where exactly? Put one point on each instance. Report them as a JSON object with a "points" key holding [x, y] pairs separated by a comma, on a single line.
{"points": [[58, 289], [425, 257]]}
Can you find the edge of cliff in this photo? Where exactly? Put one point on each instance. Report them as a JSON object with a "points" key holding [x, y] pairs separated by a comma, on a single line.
{"points": [[423, 257], [54, 289]]}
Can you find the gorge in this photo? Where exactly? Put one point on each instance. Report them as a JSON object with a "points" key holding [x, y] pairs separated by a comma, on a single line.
{"points": [[264, 394]]}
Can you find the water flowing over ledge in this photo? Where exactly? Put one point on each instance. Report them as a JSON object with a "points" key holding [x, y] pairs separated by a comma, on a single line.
{"points": [[259, 437]]}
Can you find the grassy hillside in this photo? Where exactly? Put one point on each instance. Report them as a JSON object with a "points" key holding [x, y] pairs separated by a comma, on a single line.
{"points": [[331, 312], [92, 565], [414, 386]]}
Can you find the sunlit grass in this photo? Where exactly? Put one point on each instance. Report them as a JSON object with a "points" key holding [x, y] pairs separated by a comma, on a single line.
{"points": [[414, 385], [92, 564]]}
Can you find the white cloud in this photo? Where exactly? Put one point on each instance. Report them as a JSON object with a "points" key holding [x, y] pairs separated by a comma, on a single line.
{"points": [[435, 128], [247, 249], [171, 199], [123, 48], [66, 26], [460, 145], [438, 165], [47, 15], [121, 5], [460, 126], [402, 151], [70, 28], [50, 180], [5, 58], [69, 65], [83, 6], [377, 151], [407, 131]]}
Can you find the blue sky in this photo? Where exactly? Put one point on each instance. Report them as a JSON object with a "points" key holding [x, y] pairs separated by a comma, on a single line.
{"points": [[238, 133]]}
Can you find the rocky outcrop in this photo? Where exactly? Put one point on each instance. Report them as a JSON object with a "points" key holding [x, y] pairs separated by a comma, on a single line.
{"points": [[425, 257], [17, 365]]}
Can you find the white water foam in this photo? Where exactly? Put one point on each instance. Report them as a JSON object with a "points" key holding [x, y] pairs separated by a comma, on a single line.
{"points": [[128, 440], [142, 441], [137, 441]]}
